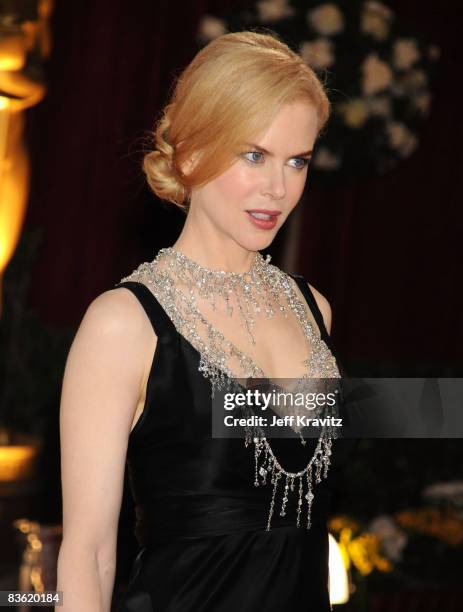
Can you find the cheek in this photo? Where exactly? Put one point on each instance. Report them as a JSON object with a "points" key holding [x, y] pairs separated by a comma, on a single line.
{"points": [[236, 183]]}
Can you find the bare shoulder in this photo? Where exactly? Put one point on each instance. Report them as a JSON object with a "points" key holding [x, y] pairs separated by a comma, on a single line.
{"points": [[116, 310], [115, 323], [324, 307], [109, 351]]}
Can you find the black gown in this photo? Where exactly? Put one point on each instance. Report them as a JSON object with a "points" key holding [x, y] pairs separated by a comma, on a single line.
{"points": [[201, 522]]}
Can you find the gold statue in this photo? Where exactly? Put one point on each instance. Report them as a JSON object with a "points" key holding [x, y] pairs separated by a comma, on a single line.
{"points": [[24, 43]]}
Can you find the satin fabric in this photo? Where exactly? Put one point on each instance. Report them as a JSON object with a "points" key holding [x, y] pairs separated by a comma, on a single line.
{"points": [[284, 569], [200, 519]]}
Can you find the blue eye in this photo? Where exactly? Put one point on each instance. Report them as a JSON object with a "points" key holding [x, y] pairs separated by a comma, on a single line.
{"points": [[303, 162], [254, 161]]}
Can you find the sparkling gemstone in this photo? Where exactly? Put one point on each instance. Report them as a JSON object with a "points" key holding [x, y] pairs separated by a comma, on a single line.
{"points": [[309, 496]]}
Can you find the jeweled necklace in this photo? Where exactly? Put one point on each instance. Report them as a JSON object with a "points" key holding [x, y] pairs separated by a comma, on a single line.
{"points": [[246, 287], [251, 292]]}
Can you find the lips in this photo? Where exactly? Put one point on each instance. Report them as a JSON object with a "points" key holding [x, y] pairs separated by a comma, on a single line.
{"points": [[262, 218], [260, 213]]}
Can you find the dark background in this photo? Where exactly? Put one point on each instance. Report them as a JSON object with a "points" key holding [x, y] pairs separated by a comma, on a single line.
{"points": [[386, 251]]}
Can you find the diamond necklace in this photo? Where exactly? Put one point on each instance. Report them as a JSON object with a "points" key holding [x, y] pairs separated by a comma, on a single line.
{"points": [[250, 290], [246, 287]]}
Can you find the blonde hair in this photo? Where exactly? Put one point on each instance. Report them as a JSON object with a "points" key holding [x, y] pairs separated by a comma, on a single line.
{"points": [[225, 97]]}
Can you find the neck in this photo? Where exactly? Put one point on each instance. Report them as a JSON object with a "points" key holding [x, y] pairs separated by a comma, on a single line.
{"points": [[213, 251]]}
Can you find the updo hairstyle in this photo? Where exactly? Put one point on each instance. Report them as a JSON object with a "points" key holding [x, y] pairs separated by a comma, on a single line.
{"points": [[228, 95]]}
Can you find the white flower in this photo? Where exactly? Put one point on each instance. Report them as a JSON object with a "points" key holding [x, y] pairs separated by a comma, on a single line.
{"points": [[392, 538], [376, 74], [379, 106], [210, 28], [326, 160], [405, 53], [375, 20], [326, 19], [274, 10], [380, 9], [319, 53], [400, 138], [374, 26], [355, 112]]}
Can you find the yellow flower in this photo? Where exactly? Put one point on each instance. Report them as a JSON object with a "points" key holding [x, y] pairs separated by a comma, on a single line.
{"points": [[337, 523], [362, 550], [365, 555]]}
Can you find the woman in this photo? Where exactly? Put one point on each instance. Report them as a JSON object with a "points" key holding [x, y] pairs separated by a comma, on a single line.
{"points": [[232, 149]]}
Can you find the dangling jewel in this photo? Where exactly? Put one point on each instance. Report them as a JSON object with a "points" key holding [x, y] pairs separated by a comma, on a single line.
{"points": [[285, 498]]}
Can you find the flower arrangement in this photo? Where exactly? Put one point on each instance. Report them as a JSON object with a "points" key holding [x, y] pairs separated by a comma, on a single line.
{"points": [[377, 70], [413, 548], [361, 549]]}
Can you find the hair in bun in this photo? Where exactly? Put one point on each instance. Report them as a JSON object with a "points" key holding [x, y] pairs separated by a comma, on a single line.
{"points": [[159, 165]]}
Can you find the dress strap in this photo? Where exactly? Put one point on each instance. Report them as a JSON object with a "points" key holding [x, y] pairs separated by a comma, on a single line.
{"points": [[161, 323], [312, 302]]}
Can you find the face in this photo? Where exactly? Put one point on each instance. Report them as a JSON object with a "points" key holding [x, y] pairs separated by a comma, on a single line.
{"points": [[249, 202]]}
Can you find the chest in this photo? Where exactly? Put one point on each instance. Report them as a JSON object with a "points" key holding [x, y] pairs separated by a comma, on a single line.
{"points": [[278, 345]]}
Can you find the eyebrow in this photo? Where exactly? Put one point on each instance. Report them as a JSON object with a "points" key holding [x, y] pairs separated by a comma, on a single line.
{"points": [[258, 148]]}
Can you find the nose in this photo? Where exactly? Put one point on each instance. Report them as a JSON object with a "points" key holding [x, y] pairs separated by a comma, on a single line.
{"points": [[275, 184]]}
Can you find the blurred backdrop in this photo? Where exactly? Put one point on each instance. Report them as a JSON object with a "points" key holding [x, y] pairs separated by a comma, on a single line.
{"points": [[378, 231]]}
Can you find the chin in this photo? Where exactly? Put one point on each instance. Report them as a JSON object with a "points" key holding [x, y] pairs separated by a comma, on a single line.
{"points": [[258, 242]]}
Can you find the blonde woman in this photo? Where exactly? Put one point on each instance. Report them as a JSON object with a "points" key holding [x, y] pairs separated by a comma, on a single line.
{"points": [[222, 525]]}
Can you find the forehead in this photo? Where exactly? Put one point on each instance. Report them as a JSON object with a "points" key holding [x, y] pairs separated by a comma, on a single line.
{"points": [[295, 125]]}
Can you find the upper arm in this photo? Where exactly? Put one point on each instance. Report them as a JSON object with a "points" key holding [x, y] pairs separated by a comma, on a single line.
{"points": [[100, 391], [324, 307]]}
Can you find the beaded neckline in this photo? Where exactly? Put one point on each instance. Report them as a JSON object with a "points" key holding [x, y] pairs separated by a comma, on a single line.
{"points": [[255, 293], [257, 263], [214, 284]]}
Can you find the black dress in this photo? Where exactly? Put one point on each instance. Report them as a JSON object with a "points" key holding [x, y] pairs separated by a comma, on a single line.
{"points": [[201, 524]]}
